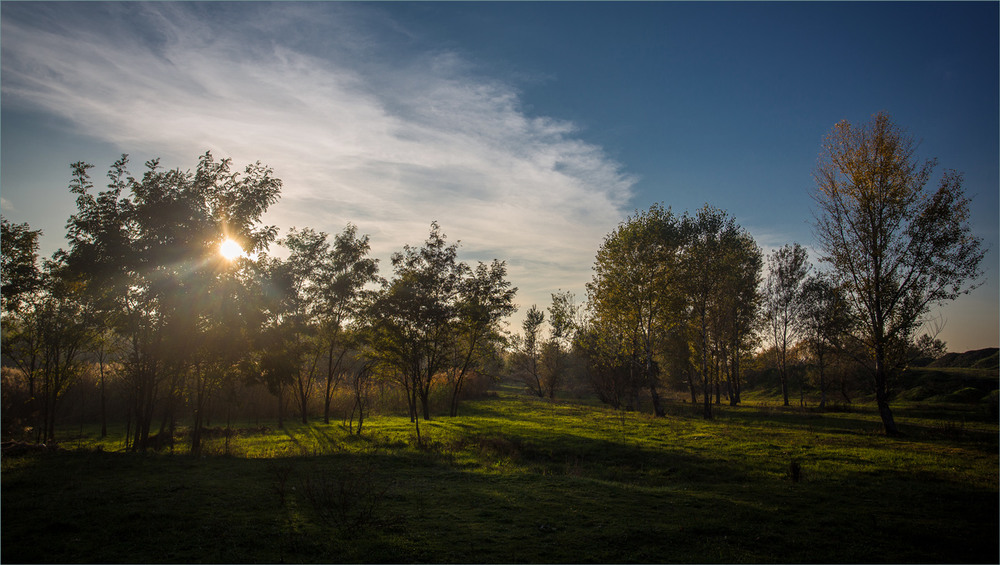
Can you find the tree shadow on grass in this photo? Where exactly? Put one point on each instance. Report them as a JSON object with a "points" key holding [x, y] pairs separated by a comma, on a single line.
{"points": [[562, 498]]}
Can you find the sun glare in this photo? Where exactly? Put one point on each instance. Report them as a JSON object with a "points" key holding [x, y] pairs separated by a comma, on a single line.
{"points": [[230, 250]]}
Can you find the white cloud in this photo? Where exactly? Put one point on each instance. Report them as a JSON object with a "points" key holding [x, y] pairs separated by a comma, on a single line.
{"points": [[356, 135], [6, 205]]}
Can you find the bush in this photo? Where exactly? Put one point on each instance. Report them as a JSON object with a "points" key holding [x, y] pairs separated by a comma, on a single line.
{"points": [[350, 497]]}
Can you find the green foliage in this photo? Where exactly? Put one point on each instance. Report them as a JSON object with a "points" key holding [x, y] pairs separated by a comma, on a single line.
{"points": [[47, 327], [722, 265], [18, 263], [787, 268], [895, 247], [636, 303], [525, 359], [147, 250], [437, 315]]}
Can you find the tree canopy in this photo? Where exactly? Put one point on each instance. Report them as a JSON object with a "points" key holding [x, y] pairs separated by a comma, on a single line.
{"points": [[895, 246]]}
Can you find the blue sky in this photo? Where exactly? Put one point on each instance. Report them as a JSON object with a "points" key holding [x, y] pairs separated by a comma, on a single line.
{"points": [[528, 130]]}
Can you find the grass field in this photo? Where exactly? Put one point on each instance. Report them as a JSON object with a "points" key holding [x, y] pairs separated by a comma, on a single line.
{"points": [[515, 479]]}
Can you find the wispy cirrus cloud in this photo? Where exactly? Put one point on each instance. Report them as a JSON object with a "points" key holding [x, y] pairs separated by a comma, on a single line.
{"points": [[360, 127]]}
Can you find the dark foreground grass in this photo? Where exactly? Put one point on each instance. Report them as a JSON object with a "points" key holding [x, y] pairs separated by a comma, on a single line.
{"points": [[517, 480]]}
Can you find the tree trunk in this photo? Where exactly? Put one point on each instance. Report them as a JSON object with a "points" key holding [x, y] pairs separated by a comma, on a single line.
{"points": [[802, 389], [196, 435], [657, 405], [706, 386], [281, 406], [104, 404], [822, 382], [425, 406], [201, 400], [361, 413], [653, 393], [329, 382], [734, 380], [455, 391], [784, 383], [424, 390], [882, 394], [783, 373], [303, 401]]}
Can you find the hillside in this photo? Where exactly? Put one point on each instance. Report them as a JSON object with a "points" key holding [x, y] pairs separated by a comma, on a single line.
{"points": [[976, 359], [970, 377]]}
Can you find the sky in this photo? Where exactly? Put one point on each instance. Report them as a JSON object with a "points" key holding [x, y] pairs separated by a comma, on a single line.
{"points": [[528, 131]]}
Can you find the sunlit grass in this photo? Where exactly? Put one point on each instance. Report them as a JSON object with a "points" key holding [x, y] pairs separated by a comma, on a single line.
{"points": [[521, 479]]}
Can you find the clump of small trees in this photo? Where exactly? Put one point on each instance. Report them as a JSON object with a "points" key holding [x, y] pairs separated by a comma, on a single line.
{"points": [[683, 295], [674, 293], [144, 297]]}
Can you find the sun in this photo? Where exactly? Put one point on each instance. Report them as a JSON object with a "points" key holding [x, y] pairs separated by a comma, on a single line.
{"points": [[230, 250]]}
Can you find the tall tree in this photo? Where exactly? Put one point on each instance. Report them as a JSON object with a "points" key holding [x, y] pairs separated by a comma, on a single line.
{"points": [[19, 270], [46, 327], [414, 314], [148, 251], [787, 268], [735, 311], [894, 246], [634, 294], [309, 250], [486, 298], [343, 275], [22, 283], [613, 373], [824, 320], [555, 351], [435, 317], [526, 358], [276, 356], [715, 246]]}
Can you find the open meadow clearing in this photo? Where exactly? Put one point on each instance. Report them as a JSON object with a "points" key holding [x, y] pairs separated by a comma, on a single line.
{"points": [[516, 479]]}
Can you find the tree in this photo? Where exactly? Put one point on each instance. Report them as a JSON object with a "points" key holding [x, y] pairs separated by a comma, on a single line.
{"points": [[634, 297], [555, 351], [309, 251], [825, 320], [526, 359], [413, 316], [46, 327], [343, 274], [894, 246], [435, 317], [485, 299], [18, 264], [148, 252], [22, 281], [928, 347], [361, 372], [716, 246], [735, 311], [613, 374], [787, 268], [274, 353]]}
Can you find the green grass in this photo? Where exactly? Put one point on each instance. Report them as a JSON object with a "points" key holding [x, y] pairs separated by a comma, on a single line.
{"points": [[516, 479]]}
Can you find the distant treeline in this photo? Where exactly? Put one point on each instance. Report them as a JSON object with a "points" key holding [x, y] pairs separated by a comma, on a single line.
{"points": [[167, 310]]}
